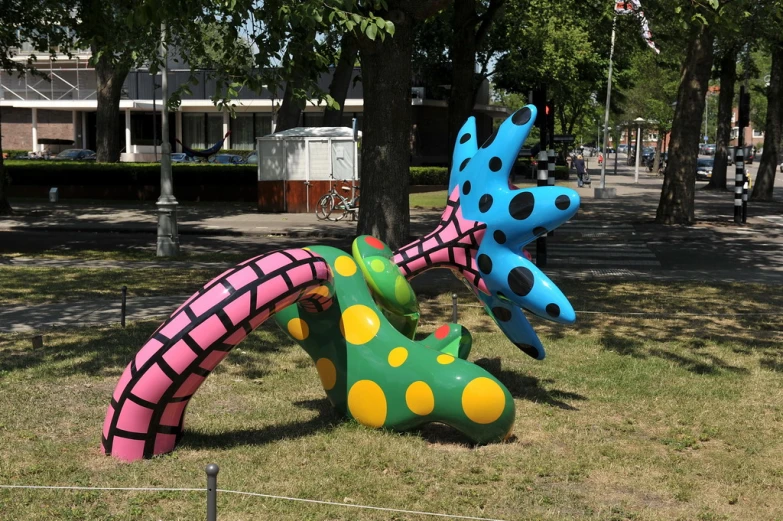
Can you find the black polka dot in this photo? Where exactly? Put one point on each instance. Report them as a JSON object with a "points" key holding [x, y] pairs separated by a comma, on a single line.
{"points": [[539, 230], [500, 237], [464, 139], [528, 350], [466, 188], [489, 141], [521, 116], [521, 206], [562, 202], [553, 310], [485, 263], [464, 164], [485, 203], [495, 164], [502, 314], [521, 280]]}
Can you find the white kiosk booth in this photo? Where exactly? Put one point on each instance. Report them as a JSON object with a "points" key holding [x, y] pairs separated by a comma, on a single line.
{"points": [[297, 166]]}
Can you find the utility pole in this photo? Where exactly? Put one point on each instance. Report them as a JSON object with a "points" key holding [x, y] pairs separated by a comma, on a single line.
{"points": [[168, 235], [602, 191]]}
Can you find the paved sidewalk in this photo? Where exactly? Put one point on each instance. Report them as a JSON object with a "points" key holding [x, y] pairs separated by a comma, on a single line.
{"points": [[609, 239]]}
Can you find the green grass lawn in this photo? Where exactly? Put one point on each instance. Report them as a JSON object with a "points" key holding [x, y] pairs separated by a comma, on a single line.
{"points": [[23, 285], [628, 418]]}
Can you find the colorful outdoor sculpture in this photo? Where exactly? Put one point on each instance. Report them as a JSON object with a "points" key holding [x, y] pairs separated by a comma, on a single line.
{"points": [[356, 315]]}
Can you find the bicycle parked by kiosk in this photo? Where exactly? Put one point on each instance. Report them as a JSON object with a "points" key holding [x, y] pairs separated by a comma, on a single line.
{"points": [[335, 206]]}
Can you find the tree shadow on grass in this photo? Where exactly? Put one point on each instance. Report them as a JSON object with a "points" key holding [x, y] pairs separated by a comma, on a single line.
{"points": [[106, 351], [529, 387], [326, 419]]}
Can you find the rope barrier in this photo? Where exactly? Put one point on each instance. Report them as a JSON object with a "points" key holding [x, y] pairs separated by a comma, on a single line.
{"points": [[253, 494], [358, 506]]}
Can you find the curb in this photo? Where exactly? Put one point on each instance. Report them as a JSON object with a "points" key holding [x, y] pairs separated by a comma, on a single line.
{"points": [[222, 232]]}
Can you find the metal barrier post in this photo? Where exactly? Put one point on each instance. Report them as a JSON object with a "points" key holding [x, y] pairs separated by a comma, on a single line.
{"points": [[123, 307], [543, 180], [745, 186], [454, 315], [212, 472], [739, 180]]}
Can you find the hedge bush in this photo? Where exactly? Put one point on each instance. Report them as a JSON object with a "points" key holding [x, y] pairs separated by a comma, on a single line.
{"points": [[34, 172], [429, 175]]}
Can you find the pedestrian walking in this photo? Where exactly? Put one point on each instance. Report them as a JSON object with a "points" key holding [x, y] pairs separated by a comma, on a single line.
{"points": [[581, 169]]}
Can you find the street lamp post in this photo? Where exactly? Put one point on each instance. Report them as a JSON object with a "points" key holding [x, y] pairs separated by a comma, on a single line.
{"points": [[602, 190], [168, 235], [639, 122]]}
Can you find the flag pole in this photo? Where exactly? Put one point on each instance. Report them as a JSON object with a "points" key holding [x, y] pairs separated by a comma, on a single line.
{"points": [[606, 112]]}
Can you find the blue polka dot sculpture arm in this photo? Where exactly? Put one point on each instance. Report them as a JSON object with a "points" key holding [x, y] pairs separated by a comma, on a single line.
{"points": [[503, 219]]}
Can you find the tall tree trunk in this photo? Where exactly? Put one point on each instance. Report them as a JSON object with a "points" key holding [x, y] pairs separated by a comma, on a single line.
{"points": [[463, 63], [765, 178], [338, 88], [291, 109], [5, 206], [386, 78], [678, 194], [728, 76], [110, 78]]}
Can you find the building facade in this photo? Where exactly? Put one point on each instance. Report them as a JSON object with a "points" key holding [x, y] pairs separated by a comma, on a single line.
{"points": [[36, 111]]}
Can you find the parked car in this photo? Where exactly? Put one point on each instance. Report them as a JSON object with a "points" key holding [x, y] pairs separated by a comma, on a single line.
{"points": [[227, 159], [181, 157], [622, 149], [707, 149], [74, 154], [748, 156], [704, 168], [252, 158]]}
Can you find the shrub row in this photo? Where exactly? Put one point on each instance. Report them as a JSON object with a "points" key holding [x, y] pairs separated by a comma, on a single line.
{"points": [[52, 173], [429, 175]]}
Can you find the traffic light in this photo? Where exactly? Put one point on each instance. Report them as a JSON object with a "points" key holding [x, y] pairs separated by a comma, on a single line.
{"points": [[539, 100], [550, 116]]}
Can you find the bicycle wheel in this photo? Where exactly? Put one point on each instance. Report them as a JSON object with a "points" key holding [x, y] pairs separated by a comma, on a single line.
{"points": [[342, 207], [324, 206]]}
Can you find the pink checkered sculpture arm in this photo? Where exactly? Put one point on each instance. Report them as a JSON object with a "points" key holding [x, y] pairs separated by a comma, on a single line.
{"points": [[147, 409], [453, 244]]}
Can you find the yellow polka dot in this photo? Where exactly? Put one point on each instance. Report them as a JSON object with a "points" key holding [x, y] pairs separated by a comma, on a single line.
{"points": [[298, 328], [402, 290], [367, 403], [377, 265], [398, 356], [483, 400], [322, 291], [306, 249], [419, 398], [445, 359], [359, 324], [345, 266], [327, 372]]}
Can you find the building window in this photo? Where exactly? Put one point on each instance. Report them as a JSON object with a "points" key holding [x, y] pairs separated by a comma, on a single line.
{"points": [[242, 135], [758, 133], [263, 125], [214, 127], [734, 133], [193, 131], [313, 119]]}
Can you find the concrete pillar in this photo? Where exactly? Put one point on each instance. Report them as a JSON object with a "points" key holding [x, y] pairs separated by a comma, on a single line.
{"points": [[178, 128], [35, 130], [128, 131], [84, 130], [226, 123], [75, 125]]}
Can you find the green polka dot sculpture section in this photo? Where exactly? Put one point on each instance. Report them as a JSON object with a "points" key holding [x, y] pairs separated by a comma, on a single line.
{"points": [[356, 315], [377, 374]]}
